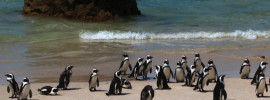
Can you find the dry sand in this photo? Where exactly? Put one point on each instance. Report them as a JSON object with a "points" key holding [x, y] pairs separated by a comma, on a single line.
{"points": [[237, 89]]}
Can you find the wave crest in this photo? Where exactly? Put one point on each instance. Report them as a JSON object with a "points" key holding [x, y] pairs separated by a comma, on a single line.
{"points": [[109, 35]]}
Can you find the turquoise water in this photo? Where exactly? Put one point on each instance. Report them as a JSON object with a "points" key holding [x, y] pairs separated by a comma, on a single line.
{"points": [[179, 25]]}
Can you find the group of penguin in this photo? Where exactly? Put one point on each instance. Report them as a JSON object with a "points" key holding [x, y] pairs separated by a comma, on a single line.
{"points": [[183, 73]]}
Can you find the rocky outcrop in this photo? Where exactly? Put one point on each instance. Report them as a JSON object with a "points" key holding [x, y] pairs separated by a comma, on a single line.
{"points": [[86, 10]]}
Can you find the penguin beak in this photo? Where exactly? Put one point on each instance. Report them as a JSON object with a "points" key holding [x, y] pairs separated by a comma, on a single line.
{"points": [[6, 75]]}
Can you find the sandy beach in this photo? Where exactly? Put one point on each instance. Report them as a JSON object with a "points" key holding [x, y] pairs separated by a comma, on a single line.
{"points": [[237, 89]]}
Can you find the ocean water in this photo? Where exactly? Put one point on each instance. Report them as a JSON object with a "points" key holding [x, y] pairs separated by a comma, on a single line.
{"points": [[185, 25]]}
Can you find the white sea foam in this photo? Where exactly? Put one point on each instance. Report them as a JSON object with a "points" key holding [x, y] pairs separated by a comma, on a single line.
{"points": [[109, 35]]}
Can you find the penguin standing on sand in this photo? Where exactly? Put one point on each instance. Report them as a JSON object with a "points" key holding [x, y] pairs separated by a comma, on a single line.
{"points": [[161, 79], [191, 76], [219, 90], [65, 78], [147, 66], [125, 64], [137, 69], [198, 63], [202, 80], [147, 93], [213, 71], [260, 69], [12, 85], [115, 87], [245, 69], [261, 85], [184, 62], [93, 80], [25, 90], [179, 73], [167, 70], [48, 90], [126, 84]]}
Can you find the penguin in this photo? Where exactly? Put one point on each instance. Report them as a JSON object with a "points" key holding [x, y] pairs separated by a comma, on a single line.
{"points": [[219, 90], [125, 64], [115, 86], [167, 70], [191, 76], [261, 85], [147, 66], [202, 80], [245, 69], [198, 63], [48, 90], [147, 93], [93, 80], [25, 90], [184, 62], [126, 84], [137, 69], [179, 73], [260, 69], [212, 72], [65, 78], [12, 85], [161, 79]]}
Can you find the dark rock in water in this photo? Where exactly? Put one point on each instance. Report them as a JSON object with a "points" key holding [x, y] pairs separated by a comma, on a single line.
{"points": [[86, 10]]}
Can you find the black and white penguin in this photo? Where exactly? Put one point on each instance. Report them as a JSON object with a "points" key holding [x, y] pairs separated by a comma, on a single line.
{"points": [[245, 69], [48, 90], [93, 80], [260, 69], [167, 70], [147, 66], [161, 79], [179, 73], [261, 85], [25, 90], [125, 64], [115, 87], [212, 72], [147, 93], [126, 84], [198, 63], [219, 90], [202, 80], [137, 70], [12, 85], [191, 76], [184, 62], [65, 78]]}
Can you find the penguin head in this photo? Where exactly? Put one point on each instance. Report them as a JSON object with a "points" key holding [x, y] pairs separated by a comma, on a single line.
{"points": [[140, 59], [221, 78], [118, 74], [54, 90], [192, 66], [197, 55], [184, 57], [125, 55], [149, 57], [210, 62], [68, 68], [94, 71], [166, 61], [246, 60], [25, 79], [263, 65], [10, 76], [178, 63], [158, 68]]}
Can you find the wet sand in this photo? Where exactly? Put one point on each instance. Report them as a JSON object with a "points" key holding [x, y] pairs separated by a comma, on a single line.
{"points": [[237, 89]]}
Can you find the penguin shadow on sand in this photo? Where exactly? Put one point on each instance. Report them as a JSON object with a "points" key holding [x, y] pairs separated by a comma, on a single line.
{"points": [[68, 89]]}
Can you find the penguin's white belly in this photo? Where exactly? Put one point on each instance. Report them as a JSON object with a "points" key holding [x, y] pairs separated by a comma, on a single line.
{"points": [[193, 78], [11, 88], [125, 66], [147, 69], [245, 71], [205, 80], [184, 66], [179, 75], [261, 87], [93, 82], [198, 67], [149, 98], [212, 74], [25, 92], [167, 72]]}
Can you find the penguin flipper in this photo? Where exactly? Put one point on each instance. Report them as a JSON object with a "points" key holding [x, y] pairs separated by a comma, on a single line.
{"points": [[97, 82], [8, 89], [203, 65], [225, 94], [241, 69], [30, 93], [122, 63], [130, 68], [171, 73], [266, 88], [151, 69]]}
